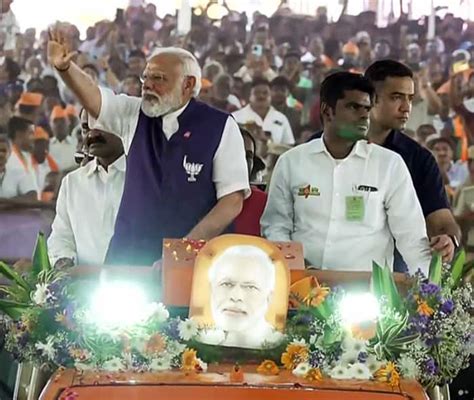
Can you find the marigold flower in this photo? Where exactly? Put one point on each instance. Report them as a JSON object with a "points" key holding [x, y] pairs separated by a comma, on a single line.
{"points": [[268, 367], [189, 360], [424, 309], [388, 374], [156, 344], [314, 375], [317, 294], [294, 355]]}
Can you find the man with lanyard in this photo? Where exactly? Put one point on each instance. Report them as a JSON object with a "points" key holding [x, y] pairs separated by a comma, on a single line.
{"points": [[395, 89], [345, 199], [179, 181]]}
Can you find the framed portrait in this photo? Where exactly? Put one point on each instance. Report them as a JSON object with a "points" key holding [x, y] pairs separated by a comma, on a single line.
{"points": [[240, 292]]}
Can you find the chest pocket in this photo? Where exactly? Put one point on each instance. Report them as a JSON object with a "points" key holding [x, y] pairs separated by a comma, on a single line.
{"points": [[375, 213]]}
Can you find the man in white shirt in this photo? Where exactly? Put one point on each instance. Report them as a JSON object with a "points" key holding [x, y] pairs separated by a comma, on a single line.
{"points": [[261, 112], [17, 186], [179, 179], [63, 146], [42, 162], [21, 134], [346, 200], [9, 25], [88, 202]]}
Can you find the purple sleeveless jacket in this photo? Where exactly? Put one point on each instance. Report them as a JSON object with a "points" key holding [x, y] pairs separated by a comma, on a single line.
{"points": [[168, 184]]}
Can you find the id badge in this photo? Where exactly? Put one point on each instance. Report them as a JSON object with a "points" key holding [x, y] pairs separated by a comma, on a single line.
{"points": [[355, 208]]}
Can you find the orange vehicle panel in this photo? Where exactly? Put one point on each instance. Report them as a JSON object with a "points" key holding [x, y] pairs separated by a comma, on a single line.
{"points": [[227, 393], [216, 384]]}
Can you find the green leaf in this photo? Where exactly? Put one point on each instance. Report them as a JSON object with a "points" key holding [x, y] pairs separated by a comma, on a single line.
{"points": [[15, 293], [377, 281], [40, 256], [12, 308], [435, 269], [391, 290], [13, 276], [457, 267]]}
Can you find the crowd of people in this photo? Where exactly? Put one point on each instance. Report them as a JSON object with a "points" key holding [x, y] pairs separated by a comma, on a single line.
{"points": [[256, 125]]}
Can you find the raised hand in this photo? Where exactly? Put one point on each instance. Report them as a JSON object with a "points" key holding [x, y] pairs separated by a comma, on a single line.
{"points": [[59, 53]]}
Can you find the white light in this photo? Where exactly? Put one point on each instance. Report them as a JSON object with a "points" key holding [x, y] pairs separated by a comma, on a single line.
{"points": [[119, 305], [357, 308]]}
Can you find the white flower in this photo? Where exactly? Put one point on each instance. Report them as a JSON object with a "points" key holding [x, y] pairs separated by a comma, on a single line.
{"points": [[83, 366], [359, 371], [373, 364], [349, 357], [339, 372], [41, 294], [272, 339], [350, 344], [160, 364], [408, 367], [114, 365], [202, 365], [301, 369], [187, 329], [313, 339], [47, 348], [211, 336], [175, 348], [301, 341], [160, 313]]}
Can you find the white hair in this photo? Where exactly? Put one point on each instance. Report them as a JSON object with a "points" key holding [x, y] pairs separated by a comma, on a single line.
{"points": [[254, 253], [188, 61]]}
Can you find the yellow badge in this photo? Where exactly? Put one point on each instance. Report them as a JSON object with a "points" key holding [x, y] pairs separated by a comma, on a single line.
{"points": [[308, 190]]}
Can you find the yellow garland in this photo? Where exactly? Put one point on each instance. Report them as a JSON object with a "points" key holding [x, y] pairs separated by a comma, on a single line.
{"points": [[268, 367]]}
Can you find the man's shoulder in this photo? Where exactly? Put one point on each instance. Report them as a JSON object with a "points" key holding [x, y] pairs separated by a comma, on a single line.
{"points": [[242, 112], [299, 151], [399, 142], [79, 174], [204, 107], [277, 116]]}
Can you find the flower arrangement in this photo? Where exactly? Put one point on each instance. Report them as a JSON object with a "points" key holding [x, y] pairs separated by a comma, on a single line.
{"points": [[424, 335]]}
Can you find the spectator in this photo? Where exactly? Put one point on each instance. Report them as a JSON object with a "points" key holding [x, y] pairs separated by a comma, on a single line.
{"points": [[16, 185], [454, 173], [280, 91], [423, 132], [20, 132], [62, 146], [29, 106], [42, 162], [221, 94], [260, 111], [136, 63], [131, 86]]}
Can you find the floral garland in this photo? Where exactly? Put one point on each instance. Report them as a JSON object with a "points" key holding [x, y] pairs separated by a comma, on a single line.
{"points": [[425, 335]]}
